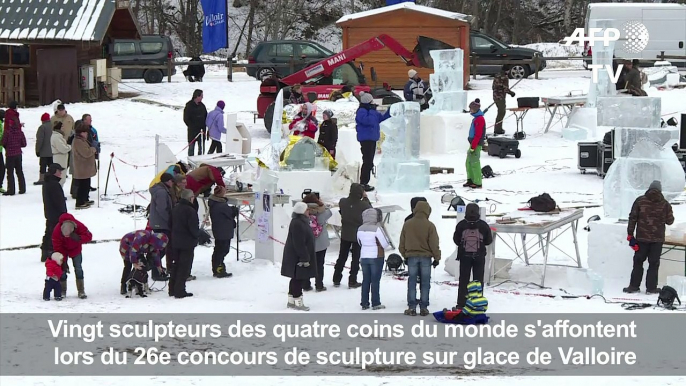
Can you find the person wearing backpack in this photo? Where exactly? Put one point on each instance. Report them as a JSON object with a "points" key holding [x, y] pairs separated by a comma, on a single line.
{"points": [[319, 215], [419, 245], [472, 235], [373, 241]]}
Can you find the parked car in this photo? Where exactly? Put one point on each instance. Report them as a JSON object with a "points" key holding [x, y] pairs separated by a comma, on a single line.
{"points": [[489, 48], [153, 50], [275, 57], [665, 25]]}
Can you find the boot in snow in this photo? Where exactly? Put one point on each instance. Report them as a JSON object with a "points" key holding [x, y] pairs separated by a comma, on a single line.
{"points": [[631, 290], [122, 289], [423, 312], [653, 291], [410, 312], [63, 283], [291, 301], [466, 184], [379, 307], [79, 288], [41, 178], [354, 284], [191, 277], [300, 305]]}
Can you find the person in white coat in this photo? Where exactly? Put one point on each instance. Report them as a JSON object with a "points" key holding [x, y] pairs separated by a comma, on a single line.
{"points": [[373, 241], [60, 149]]}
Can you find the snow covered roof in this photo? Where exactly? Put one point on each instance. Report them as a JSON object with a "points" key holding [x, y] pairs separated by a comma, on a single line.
{"points": [[77, 20], [408, 6]]}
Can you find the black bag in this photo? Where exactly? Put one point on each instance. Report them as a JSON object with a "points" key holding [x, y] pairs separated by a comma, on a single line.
{"points": [[542, 203], [204, 238], [667, 297], [487, 172]]}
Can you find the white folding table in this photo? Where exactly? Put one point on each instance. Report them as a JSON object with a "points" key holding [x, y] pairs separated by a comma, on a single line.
{"points": [[565, 105]]}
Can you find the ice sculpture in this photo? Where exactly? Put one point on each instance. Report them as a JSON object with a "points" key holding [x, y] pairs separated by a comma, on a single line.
{"points": [[447, 81], [643, 154], [602, 55], [400, 169]]}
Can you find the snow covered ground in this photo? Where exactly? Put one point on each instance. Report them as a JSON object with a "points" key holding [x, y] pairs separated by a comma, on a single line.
{"points": [[128, 129]]}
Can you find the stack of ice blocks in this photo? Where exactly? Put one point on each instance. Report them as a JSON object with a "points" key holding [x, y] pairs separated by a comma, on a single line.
{"points": [[447, 81], [642, 150], [400, 169], [602, 55]]}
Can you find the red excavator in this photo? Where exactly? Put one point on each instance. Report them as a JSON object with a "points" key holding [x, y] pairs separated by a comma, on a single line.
{"points": [[321, 78]]}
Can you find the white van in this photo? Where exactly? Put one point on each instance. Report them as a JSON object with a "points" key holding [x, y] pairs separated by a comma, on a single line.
{"points": [[666, 24]]}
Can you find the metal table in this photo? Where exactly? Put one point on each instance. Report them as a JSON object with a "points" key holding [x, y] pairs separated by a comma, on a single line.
{"points": [[563, 221], [520, 113], [222, 160], [565, 103]]}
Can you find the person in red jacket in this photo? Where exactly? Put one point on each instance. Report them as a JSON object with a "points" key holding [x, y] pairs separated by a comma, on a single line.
{"points": [[477, 135], [68, 238], [305, 124], [53, 273], [201, 179], [13, 139]]}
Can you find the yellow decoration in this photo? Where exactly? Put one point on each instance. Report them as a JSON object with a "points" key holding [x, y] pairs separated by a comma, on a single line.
{"points": [[292, 140]]}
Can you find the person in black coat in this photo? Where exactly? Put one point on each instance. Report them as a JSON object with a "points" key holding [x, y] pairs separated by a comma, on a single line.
{"points": [[328, 133], [299, 259], [351, 209], [54, 205], [223, 219], [472, 255], [185, 233], [194, 116]]}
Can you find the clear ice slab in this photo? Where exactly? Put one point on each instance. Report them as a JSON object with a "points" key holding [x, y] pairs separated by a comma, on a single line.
{"points": [[455, 101], [601, 55], [446, 81], [629, 111], [643, 143], [410, 113]]}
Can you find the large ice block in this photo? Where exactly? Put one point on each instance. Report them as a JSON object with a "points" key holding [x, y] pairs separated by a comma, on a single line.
{"points": [[643, 143], [455, 101], [413, 176], [601, 55], [629, 111], [581, 124], [410, 112]]}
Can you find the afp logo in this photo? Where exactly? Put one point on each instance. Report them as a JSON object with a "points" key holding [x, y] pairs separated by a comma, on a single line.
{"points": [[635, 36], [214, 19]]}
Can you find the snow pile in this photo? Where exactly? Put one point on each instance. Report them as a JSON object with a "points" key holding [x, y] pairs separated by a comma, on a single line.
{"points": [[550, 50]]}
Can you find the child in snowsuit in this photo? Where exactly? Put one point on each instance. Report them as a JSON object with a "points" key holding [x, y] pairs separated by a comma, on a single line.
{"points": [[476, 303], [53, 273], [472, 235], [223, 219], [328, 133], [133, 247], [373, 241], [477, 135]]}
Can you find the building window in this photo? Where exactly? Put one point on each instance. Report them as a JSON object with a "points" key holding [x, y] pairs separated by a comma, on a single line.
{"points": [[151, 48], [11, 55]]}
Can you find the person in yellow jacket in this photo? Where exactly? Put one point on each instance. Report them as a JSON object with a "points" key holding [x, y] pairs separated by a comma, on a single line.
{"points": [[177, 168]]}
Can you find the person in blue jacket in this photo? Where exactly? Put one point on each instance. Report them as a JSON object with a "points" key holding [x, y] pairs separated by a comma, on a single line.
{"points": [[368, 121]]}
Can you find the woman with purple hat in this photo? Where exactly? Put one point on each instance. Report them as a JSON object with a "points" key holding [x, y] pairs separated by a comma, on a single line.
{"points": [[215, 123]]}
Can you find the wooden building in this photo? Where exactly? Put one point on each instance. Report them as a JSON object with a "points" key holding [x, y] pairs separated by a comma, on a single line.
{"points": [[404, 22], [45, 43]]}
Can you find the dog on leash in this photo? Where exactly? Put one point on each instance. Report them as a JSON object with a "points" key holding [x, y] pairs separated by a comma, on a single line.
{"points": [[139, 281]]}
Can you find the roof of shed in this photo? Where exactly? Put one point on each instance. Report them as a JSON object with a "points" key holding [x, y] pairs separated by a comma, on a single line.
{"points": [[76, 20], [408, 6]]}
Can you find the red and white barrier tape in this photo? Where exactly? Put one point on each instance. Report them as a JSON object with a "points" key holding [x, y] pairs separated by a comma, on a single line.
{"points": [[252, 222]]}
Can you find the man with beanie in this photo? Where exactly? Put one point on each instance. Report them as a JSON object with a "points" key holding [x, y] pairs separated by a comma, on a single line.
{"points": [[368, 122], [419, 246], [216, 127], [54, 205], [161, 204], [194, 116], [223, 219], [477, 135], [472, 235], [185, 234], [43, 148], [68, 238], [351, 209], [501, 86], [13, 140], [414, 88], [649, 215]]}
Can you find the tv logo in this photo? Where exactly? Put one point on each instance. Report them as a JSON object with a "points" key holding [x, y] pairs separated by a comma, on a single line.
{"points": [[635, 40]]}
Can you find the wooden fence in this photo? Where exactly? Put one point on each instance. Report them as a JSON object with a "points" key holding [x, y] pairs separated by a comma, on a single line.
{"points": [[12, 86]]}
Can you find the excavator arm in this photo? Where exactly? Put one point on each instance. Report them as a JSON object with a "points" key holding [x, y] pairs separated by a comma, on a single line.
{"points": [[417, 58]]}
